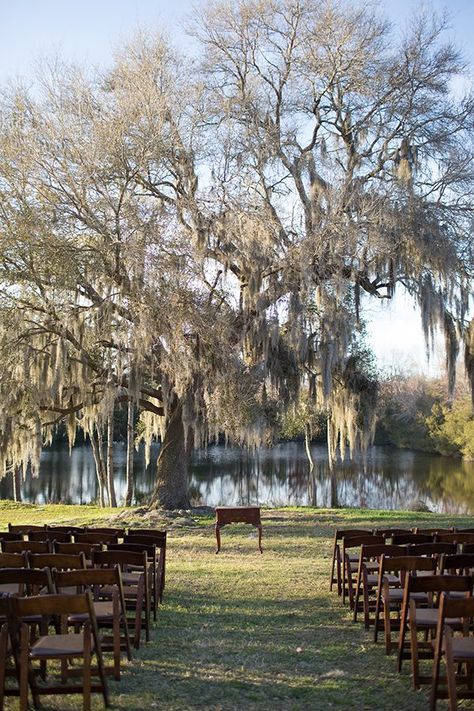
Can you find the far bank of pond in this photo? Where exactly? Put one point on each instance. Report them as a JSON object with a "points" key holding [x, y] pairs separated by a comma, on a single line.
{"points": [[390, 478]]}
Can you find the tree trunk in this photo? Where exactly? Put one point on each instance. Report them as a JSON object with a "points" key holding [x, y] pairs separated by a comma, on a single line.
{"points": [[331, 457], [110, 461], [307, 442], [130, 438], [96, 443], [171, 489], [16, 475]]}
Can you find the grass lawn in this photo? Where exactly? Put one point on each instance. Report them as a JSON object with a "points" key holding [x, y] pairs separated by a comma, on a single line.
{"points": [[247, 631]]}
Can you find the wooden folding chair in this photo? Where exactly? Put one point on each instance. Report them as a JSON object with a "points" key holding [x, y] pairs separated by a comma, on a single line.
{"points": [[62, 646], [350, 562], [367, 576], [457, 651], [155, 548], [159, 538], [136, 586], [390, 595], [336, 564], [105, 586], [424, 619]]}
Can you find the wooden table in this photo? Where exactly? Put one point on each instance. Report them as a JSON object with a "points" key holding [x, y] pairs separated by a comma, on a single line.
{"points": [[238, 514]]}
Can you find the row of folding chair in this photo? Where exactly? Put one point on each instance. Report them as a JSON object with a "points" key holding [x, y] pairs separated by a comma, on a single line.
{"points": [[44, 539], [412, 586], [135, 572], [344, 539]]}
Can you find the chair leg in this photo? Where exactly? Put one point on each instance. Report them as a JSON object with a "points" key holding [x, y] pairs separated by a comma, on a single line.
{"points": [[415, 666], [3, 656], [116, 637], [333, 565], [24, 667], [86, 679], [450, 673], [435, 678]]}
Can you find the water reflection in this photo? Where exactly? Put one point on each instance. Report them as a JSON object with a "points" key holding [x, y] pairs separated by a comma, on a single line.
{"points": [[388, 478]]}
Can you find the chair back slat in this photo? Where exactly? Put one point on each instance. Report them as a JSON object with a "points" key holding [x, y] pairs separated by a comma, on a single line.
{"points": [[61, 561], [32, 546], [412, 538], [96, 537], [49, 536], [13, 560]]}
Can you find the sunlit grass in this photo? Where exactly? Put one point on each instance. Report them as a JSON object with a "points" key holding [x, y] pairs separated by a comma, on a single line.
{"points": [[242, 630]]}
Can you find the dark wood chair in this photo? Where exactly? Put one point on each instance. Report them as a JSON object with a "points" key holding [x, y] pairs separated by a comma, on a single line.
{"points": [[424, 619], [24, 546], [367, 577], [160, 540], [155, 548], [336, 563], [350, 562], [390, 595], [105, 586], [457, 651], [61, 646], [134, 568]]}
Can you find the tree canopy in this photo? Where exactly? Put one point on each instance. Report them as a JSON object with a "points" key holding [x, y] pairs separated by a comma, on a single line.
{"points": [[199, 236]]}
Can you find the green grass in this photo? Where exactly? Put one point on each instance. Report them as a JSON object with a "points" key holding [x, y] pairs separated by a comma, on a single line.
{"points": [[247, 631]]}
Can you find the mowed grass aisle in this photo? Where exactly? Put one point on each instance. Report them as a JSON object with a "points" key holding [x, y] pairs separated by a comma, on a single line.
{"points": [[240, 630]]}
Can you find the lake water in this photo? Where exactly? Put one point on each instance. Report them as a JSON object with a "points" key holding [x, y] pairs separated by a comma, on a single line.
{"points": [[390, 478]]}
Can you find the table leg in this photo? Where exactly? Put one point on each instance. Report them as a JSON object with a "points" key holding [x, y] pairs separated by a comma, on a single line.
{"points": [[260, 538], [218, 538]]}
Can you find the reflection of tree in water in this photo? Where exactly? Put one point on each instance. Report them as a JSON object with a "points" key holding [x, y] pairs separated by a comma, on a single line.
{"points": [[389, 478]]}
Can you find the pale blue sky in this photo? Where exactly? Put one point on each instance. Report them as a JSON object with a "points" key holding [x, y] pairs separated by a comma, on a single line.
{"points": [[89, 30]]}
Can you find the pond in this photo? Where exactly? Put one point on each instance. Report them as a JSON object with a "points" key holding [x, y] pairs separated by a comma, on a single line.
{"points": [[390, 478]]}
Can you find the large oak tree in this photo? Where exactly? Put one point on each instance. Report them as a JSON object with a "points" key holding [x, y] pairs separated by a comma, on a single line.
{"points": [[198, 236]]}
